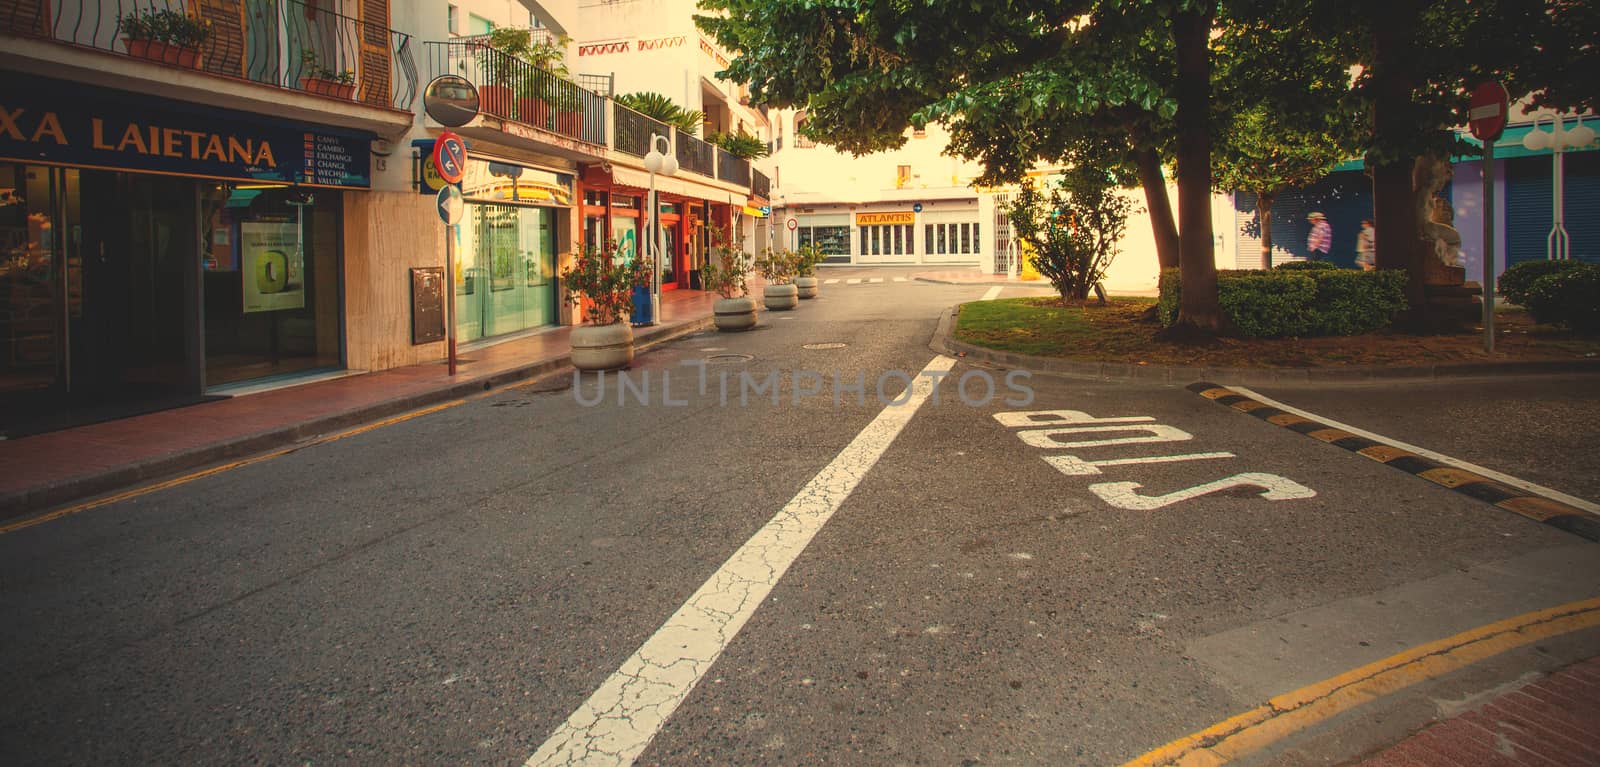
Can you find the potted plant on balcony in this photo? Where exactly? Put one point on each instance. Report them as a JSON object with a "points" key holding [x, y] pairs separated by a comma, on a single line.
{"points": [[600, 285], [726, 273], [805, 267], [546, 74], [778, 267], [502, 75], [323, 81], [164, 35]]}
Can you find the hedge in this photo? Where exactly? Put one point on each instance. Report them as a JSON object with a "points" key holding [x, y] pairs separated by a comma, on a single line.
{"points": [[1518, 280], [1567, 296], [1307, 301], [1304, 266]]}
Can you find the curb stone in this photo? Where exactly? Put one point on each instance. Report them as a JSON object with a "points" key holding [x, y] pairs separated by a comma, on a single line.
{"points": [[944, 342], [87, 485]]}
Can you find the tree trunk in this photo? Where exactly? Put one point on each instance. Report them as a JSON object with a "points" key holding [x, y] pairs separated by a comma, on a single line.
{"points": [[1264, 213], [1394, 215], [1155, 200], [1199, 312]]}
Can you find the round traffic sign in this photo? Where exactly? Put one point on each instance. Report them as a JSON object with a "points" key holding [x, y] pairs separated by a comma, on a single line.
{"points": [[450, 157], [1486, 111], [917, 208], [792, 224], [450, 204]]}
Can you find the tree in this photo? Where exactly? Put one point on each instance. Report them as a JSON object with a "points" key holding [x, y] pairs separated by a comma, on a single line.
{"points": [[1284, 112], [866, 69], [1417, 61], [1073, 228]]}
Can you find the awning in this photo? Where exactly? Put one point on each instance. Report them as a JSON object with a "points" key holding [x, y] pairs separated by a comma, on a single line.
{"points": [[674, 185], [1508, 146], [756, 212]]}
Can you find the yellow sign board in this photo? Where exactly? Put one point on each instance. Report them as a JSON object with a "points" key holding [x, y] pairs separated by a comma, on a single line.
{"points": [[893, 217]]}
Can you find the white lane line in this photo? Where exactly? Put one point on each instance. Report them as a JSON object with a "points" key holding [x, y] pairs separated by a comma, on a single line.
{"points": [[993, 293], [900, 279], [1557, 495], [876, 279], [830, 281], [852, 281], [619, 720]]}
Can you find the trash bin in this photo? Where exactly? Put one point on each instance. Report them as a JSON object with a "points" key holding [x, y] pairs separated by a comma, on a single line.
{"points": [[642, 314]]}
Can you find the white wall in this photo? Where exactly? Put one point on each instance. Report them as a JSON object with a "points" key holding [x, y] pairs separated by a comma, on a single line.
{"points": [[822, 169]]}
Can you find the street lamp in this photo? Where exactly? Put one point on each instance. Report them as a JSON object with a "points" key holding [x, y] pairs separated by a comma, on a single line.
{"points": [[664, 163], [1558, 245]]}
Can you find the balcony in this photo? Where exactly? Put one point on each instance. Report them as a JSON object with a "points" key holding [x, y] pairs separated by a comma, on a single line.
{"points": [[633, 131], [513, 90], [733, 169], [760, 185], [696, 156], [283, 45]]}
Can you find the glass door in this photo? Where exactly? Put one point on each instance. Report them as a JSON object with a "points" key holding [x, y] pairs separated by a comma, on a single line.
{"points": [[505, 269]]}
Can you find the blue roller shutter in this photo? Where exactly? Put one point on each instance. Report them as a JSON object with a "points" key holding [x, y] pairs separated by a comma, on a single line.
{"points": [[1528, 195]]}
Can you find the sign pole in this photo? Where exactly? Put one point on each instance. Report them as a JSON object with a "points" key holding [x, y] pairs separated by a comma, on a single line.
{"points": [[1488, 246], [450, 293]]}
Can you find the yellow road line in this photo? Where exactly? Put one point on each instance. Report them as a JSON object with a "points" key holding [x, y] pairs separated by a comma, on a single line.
{"points": [[23, 524], [1291, 712]]}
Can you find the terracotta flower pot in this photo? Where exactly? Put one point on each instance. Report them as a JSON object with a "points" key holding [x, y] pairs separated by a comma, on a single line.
{"points": [[495, 100], [152, 50], [733, 314], [602, 347], [323, 87]]}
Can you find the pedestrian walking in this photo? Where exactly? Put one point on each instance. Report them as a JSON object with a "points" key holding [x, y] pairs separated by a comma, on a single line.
{"points": [[1367, 246], [1321, 239]]}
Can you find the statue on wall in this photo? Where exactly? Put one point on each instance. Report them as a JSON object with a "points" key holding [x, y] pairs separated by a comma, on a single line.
{"points": [[1434, 218]]}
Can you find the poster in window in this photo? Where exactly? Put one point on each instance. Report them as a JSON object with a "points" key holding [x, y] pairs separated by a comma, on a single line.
{"points": [[274, 267]]}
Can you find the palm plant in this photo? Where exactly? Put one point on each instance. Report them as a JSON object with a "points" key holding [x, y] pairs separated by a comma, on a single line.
{"points": [[658, 107], [741, 145]]}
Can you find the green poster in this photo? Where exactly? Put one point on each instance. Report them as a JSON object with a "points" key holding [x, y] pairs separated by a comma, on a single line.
{"points": [[274, 268]]}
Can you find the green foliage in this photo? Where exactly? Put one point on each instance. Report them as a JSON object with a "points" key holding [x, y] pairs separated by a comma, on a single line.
{"points": [[658, 107], [778, 267], [162, 25], [1569, 297], [741, 145], [1305, 266], [806, 260], [601, 283], [316, 69], [1305, 302], [548, 55], [1073, 229], [1516, 283], [727, 271]]}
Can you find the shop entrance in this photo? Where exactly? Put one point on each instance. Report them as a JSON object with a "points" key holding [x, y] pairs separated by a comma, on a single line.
{"points": [[98, 285]]}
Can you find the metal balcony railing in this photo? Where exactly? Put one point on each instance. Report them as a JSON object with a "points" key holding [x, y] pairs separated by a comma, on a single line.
{"points": [[760, 185], [732, 169], [513, 89], [696, 156], [282, 44], [633, 131]]}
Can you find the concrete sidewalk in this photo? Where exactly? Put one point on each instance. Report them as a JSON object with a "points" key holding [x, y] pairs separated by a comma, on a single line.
{"points": [[48, 469], [1552, 721]]}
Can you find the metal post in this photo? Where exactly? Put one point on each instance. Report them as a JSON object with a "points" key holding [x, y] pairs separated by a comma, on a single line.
{"points": [[450, 292], [1488, 246]]}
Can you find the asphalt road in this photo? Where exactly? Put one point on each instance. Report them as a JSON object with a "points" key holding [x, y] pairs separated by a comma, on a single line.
{"points": [[907, 587]]}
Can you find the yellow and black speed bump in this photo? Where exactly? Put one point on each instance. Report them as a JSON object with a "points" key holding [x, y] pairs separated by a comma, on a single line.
{"points": [[1534, 507]]}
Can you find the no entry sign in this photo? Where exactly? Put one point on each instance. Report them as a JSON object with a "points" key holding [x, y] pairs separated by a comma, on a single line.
{"points": [[1486, 112]]}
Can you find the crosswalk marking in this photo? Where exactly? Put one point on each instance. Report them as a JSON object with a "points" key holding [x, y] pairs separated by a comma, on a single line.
{"points": [[899, 279], [876, 279], [852, 281], [830, 282]]}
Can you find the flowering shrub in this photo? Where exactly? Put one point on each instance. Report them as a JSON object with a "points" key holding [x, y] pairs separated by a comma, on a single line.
{"points": [[727, 269], [601, 284], [778, 266], [806, 260], [184, 30]]}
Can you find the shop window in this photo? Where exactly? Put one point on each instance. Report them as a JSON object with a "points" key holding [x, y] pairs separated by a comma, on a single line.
{"points": [[829, 240]]}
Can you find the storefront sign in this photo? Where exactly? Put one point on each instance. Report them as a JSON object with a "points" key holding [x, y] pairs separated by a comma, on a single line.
{"points": [[47, 121], [274, 266], [487, 181], [895, 217]]}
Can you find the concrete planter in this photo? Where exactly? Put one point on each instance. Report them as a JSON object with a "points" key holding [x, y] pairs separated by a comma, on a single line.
{"points": [[602, 347], [732, 314], [807, 286], [781, 297]]}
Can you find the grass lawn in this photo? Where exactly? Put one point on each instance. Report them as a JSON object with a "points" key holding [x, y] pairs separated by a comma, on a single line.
{"points": [[1116, 333]]}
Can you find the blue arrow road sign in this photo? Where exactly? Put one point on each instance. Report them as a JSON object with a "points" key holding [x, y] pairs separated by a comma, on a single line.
{"points": [[451, 205]]}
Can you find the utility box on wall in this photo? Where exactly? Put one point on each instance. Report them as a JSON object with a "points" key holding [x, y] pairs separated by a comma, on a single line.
{"points": [[427, 304]]}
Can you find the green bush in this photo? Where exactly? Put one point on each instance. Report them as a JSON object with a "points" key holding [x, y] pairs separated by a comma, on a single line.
{"points": [[1298, 302], [1518, 280], [1306, 266], [1569, 297], [1167, 303]]}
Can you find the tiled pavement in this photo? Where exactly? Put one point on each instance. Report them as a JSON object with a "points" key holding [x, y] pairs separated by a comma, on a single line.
{"points": [[55, 467], [1552, 722]]}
